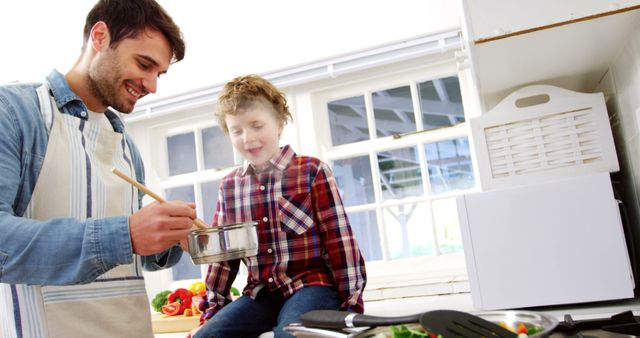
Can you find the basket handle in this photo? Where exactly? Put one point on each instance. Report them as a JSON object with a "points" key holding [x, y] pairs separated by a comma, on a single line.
{"points": [[530, 96]]}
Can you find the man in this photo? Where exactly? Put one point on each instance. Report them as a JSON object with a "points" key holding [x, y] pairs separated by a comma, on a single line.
{"points": [[73, 238]]}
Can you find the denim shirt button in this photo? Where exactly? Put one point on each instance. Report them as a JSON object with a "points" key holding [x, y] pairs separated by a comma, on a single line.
{"points": [[83, 113]]}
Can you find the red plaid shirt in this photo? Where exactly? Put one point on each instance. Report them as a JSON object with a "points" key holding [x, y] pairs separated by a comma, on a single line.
{"points": [[304, 235]]}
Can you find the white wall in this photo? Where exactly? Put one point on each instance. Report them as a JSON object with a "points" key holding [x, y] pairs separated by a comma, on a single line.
{"points": [[224, 38], [229, 38]]}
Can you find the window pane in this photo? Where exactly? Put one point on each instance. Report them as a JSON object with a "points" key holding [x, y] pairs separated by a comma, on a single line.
{"points": [[181, 153], [185, 269], [365, 229], [184, 194], [348, 120], [449, 165], [218, 152], [393, 111], [400, 173], [441, 103], [354, 179], [445, 216], [210, 199], [408, 230]]}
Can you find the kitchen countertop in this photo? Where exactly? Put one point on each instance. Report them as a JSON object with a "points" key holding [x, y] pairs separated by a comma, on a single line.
{"points": [[592, 311], [462, 302], [171, 335]]}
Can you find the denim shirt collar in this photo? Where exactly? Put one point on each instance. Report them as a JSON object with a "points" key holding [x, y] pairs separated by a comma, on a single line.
{"points": [[69, 103]]}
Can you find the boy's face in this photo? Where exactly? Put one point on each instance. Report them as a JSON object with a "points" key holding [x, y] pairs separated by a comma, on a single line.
{"points": [[255, 133]]}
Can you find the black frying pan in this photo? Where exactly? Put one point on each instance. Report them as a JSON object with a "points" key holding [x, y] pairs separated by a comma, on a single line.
{"points": [[448, 323]]}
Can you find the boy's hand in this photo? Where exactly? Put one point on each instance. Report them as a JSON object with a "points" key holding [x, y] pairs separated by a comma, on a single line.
{"points": [[159, 226]]}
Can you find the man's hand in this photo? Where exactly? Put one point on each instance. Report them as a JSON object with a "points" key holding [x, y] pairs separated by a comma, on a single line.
{"points": [[159, 226], [184, 244]]}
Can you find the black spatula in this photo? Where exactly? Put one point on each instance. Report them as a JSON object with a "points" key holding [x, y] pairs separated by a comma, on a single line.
{"points": [[448, 323]]}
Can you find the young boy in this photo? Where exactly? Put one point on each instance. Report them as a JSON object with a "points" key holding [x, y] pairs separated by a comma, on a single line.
{"points": [[308, 258]]}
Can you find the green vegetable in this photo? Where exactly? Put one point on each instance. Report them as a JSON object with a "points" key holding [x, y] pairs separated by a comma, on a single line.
{"points": [[534, 330], [404, 332], [234, 291], [160, 300]]}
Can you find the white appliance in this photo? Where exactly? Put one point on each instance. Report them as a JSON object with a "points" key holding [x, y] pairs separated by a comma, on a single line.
{"points": [[558, 242]]}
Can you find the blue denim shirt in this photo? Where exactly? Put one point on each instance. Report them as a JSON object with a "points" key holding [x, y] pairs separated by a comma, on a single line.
{"points": [[86, 249]]}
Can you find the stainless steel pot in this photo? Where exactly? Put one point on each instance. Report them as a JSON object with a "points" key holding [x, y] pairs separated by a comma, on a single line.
{"points": [[223, 243]]}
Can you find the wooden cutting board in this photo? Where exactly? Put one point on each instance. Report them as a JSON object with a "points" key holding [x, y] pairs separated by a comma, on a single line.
{"points": [[162, 324]]}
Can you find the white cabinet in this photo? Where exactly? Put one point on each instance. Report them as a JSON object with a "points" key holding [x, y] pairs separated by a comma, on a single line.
{"points": [[545, 244], [569, 43]]}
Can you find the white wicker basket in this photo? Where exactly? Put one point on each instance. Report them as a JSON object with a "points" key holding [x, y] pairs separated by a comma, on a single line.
{"points": [[543, 132]]}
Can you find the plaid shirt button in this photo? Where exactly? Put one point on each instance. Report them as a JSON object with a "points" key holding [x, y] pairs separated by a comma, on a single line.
{"points": [[265, 219]]}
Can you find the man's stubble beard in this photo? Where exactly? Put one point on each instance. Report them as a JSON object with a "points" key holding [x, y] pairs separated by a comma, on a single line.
{"points": [[103, 81]]}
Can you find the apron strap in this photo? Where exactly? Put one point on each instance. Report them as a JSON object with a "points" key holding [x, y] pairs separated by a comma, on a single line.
{"points": [[46, 106]]}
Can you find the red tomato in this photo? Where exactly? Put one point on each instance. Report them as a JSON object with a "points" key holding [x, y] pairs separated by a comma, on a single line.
{"points": [[521, 329], [172, 309]]}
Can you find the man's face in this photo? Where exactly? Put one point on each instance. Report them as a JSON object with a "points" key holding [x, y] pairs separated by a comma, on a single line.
{"points": [[121, 75]]}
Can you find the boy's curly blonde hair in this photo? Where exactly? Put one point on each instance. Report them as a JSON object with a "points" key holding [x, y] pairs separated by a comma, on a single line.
{"points": [[243, 92]]}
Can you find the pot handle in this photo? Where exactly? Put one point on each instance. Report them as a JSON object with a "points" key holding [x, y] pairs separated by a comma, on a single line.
{"points": [[333, 319]]}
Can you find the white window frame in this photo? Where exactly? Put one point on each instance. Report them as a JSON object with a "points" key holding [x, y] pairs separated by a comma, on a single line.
{"points": [[386, 274]]}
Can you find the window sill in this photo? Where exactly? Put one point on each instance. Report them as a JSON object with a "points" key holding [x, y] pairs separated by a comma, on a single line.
{"points": [[417, 285]]}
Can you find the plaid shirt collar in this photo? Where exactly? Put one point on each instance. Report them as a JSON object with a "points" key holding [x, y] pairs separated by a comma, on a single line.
{"points": [[280, 161]]}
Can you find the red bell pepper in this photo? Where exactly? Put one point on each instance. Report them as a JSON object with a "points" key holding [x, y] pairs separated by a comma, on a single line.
{"points": [[182, 296]]}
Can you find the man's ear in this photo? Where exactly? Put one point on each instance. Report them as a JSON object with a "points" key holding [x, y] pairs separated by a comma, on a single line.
{"points": [[99, 37]]}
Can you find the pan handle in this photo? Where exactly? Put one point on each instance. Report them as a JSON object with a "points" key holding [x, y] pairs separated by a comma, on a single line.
{"points": [[333, 319]]}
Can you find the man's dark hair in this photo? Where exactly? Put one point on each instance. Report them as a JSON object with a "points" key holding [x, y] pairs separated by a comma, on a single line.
{"points": [[128, 18]]}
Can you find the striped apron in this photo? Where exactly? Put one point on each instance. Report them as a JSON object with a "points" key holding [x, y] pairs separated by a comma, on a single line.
{"points": [[76, 181]]}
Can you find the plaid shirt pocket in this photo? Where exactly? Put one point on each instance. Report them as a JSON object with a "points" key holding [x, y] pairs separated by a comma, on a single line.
{"points": [[295, 212]]}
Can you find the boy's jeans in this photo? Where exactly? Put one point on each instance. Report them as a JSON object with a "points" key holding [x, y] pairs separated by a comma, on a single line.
{"points": [[245, 317]]}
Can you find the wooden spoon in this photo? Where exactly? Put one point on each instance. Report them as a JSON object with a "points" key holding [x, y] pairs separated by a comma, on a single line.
{"points": [[199, 223]]}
